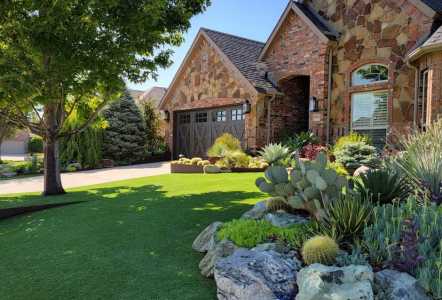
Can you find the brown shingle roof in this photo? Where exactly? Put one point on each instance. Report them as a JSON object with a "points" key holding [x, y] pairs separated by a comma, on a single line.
{"points": [[434, 39], [243, 53], [436, 5]]}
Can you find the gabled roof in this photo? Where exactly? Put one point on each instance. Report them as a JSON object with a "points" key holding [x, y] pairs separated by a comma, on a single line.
{"points": [[433, 43], [435, 5], [243, 53], [317, 23]]}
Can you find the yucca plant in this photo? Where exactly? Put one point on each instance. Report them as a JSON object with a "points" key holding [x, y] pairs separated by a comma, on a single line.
{"points": [[275, 154], [346, 218], [422, 160], [382, 186]]}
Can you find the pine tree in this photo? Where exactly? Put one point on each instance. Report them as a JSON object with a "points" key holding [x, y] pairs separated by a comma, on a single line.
{"points": [[124, 138]]}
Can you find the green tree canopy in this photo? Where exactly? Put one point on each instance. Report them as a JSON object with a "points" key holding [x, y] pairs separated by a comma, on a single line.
{"points": [[57, 56]]}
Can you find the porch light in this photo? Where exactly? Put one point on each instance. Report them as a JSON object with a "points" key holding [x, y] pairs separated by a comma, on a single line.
{"points": [[313, 104], [166, 115], [246, 107]]}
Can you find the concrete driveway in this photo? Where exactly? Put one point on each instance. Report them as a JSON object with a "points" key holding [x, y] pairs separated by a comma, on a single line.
{"points": [[83, 178]]}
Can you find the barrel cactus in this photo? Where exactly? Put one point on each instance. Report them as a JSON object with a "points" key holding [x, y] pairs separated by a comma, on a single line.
{"points": [[275, 204], [310, 186], [321, 250]]}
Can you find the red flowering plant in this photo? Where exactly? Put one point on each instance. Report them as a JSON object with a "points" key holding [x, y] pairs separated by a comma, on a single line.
{"points": [[311, 151]]}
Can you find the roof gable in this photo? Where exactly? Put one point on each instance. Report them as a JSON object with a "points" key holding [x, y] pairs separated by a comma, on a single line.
{"points": [[313, 20], [435, 5]]}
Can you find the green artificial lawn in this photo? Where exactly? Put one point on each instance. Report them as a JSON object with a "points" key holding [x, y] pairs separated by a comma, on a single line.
{"points": [[129, 240]]}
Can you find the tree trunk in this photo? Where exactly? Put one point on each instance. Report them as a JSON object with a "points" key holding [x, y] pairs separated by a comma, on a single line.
{"points": [[52, 176]]}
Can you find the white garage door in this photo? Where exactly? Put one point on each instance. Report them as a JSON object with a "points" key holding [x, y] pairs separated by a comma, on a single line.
{"points": [[13, 147]]}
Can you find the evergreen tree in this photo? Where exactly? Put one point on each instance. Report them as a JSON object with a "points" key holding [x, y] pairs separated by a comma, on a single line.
{"points": [[124, 138], [152, 123]]}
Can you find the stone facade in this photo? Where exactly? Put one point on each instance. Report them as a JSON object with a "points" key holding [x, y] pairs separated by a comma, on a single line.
{"points": [[374, 32]]}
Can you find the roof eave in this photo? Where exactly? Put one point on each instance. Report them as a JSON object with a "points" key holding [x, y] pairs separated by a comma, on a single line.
{"points": [[424, 8], [423, 50]]}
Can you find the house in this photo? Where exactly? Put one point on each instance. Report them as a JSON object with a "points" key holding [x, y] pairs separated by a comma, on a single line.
{"points": [[154, 96], [329, 66], [17, 145]]}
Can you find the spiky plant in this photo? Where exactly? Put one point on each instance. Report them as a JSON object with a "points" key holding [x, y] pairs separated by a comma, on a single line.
{"points": [[320, 249], [275, 154], [275, 204], [422, 160], [382, 186]]}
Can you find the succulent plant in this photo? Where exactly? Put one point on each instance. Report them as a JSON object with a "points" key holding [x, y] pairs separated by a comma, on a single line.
{"points": [[274, 154], [310, 187], [196, 160], [203, 163], [275, 204], [320, 249]]}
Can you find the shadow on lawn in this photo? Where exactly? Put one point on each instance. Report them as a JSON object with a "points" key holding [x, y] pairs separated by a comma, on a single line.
{"points": [[148, 198]]}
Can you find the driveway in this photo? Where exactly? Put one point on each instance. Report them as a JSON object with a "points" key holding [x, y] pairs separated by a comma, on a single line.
{"points": [[83, 178]]}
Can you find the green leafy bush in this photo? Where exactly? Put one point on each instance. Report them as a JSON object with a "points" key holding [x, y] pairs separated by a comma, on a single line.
{"points": [[310, 187], [346, 218], [356, 154], [339, 168], [382, 186], [250, 233], [422, 161], [234, 159], [223, 144], [275, 154], [297, 141], [35, 145], [408, 235], [350, 139]]}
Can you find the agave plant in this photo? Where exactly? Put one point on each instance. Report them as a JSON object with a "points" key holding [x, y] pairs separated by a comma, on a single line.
{"points": [[422, 160], [382, 186], [275, 154]]}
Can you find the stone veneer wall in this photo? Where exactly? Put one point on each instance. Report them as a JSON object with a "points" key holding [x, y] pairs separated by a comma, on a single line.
{"points": [[297, 51], [433, 63], [207, 82], [374, 31]]}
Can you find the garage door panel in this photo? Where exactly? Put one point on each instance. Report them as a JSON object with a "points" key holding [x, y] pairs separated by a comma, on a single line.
{"points": [[197, 130]]}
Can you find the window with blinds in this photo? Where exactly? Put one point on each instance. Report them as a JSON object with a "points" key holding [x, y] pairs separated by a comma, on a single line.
{"points": [[370, 115]]}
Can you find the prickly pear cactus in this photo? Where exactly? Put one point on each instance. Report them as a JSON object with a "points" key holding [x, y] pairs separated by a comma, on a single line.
{"points": [[309, 187]]}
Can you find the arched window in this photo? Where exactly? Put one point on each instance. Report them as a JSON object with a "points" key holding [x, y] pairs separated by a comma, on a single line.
{"points": [[369, 109], [369, 74]]}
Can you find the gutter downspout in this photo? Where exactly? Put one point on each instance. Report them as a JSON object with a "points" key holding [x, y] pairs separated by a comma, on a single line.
{"points": [[269, 117], [329, 94], [416, 92]]}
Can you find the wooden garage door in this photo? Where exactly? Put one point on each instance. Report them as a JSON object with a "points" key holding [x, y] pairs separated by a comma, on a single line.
{"points": [[196, 131]]}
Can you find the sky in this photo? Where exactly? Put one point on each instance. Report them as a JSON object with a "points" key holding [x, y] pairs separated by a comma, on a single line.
{"points": [[253, 19]]}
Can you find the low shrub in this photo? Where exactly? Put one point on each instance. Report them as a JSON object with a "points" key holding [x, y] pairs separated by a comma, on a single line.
{"points": [[35, 145], [350, 139], [382, 186], [311, 151], [339, 168], [234, 159], [356, 154], [275, 154], [223, 144], [298, 141], [407, 236], [321, 250], [250, 233]]}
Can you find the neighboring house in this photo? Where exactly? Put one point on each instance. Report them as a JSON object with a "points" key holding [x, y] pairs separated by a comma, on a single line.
{"points": [[154, 96], [330, 66], [17, 145]]}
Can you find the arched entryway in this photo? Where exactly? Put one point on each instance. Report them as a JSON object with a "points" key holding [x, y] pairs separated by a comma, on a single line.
{"points": [[293, 107]]}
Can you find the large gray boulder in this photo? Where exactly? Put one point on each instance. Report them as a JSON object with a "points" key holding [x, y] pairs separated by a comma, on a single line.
{"points": [[257, 275], [220, 250], [284, 220], [206, 239], [319, 282], [394, 285], [257, 212]]}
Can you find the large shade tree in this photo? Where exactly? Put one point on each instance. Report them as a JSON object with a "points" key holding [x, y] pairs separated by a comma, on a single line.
{"points": [[57, 56]]}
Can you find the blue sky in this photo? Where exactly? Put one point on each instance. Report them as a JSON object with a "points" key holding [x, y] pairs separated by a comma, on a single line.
{"points": [[254, 19]]}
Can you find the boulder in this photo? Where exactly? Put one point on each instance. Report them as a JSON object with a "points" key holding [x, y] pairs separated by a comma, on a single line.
{"points": [[361, 171], [206, 239], [220, 250], [394, 285], [319, 282], [257, 212], [283, 219], [257, 275]]}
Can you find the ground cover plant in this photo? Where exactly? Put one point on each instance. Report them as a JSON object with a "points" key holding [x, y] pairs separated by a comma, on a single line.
{"points": [[130, 240]]}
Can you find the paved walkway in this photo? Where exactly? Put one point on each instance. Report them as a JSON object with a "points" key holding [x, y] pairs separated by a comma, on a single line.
{"points": [[83, 178]]}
